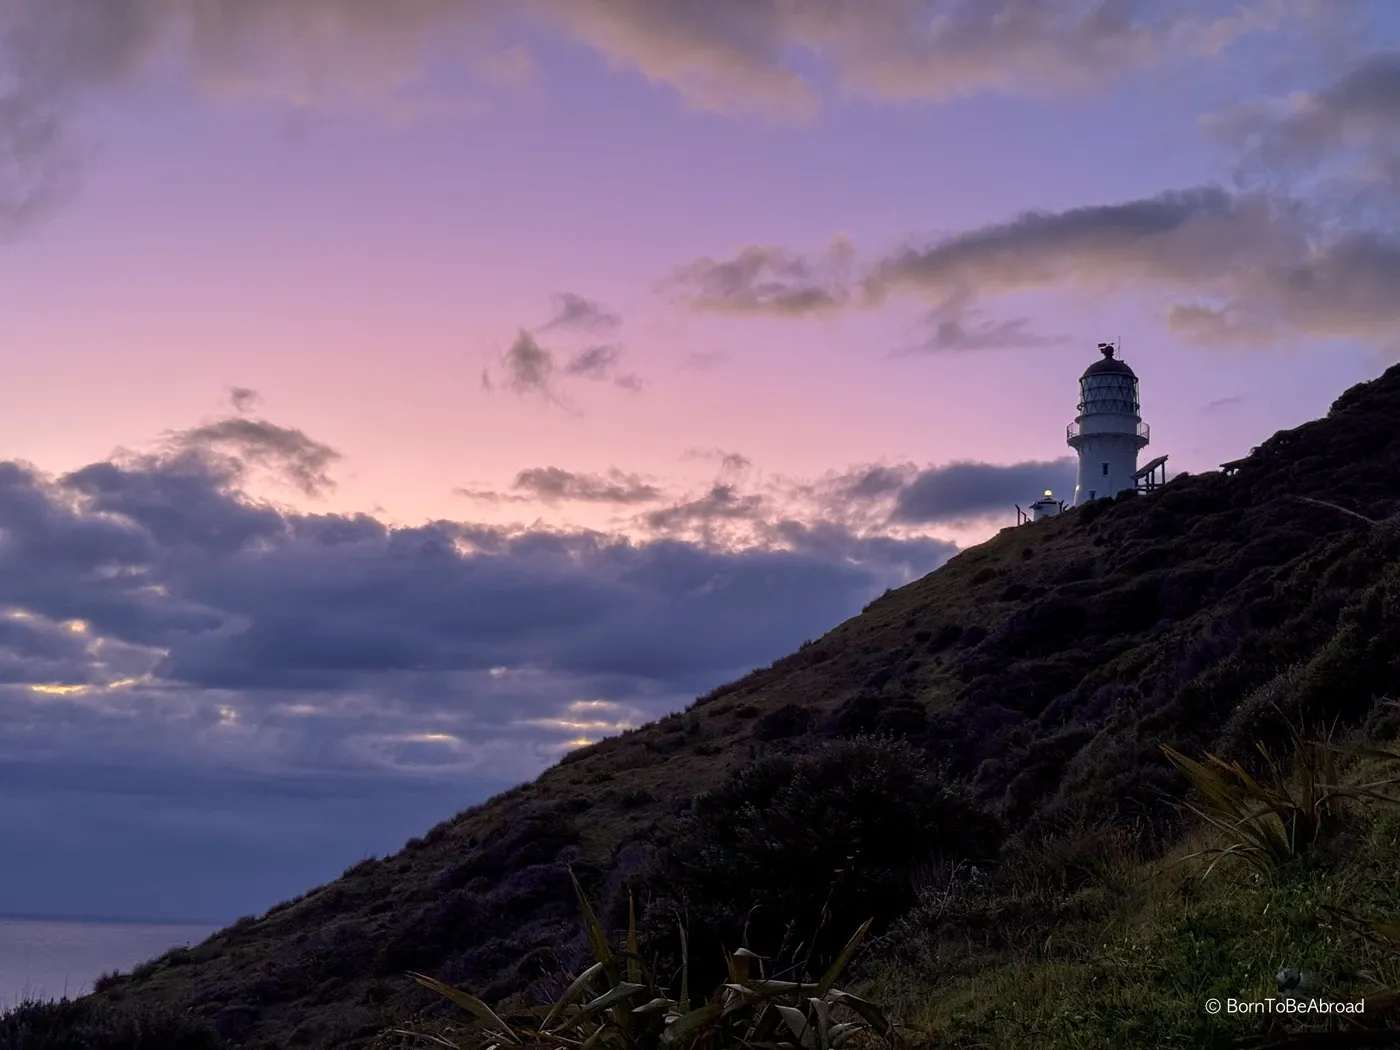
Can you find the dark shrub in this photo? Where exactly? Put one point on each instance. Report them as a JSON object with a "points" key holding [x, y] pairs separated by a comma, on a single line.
{"points": [[875, 715], [945, 636], [88, 1024], [971, 636], [783, 722], [635, 798], [818, 842]]}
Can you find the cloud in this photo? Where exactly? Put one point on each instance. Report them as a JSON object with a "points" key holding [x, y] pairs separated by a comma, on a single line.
{"points": [[512, 67], [766, 281], [731, 463], [1340, 288], [721, 502], [239, 443], [744, 506], [243, 399], [1241, 268], [961, 492], [724, 56], [704, 360], [1220, 404], [734, 53], [530, 369], [39, 166], [574, 311], [1358, 113], [553, 484], [1185, 237], [954, 327], [599, 363]]}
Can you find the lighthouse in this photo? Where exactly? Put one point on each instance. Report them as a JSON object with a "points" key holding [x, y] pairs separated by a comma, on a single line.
{"points": [[1109, 432]]}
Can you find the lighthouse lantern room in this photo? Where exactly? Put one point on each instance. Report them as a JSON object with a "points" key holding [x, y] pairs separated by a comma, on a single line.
{"points": [[1109, 432]]}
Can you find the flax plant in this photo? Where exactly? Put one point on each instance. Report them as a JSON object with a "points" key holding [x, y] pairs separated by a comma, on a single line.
{"points": [[1275, 817], [617, 1004]]}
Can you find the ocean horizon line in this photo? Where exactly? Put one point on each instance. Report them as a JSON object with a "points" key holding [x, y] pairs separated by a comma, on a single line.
{"points": [[108, 920]]}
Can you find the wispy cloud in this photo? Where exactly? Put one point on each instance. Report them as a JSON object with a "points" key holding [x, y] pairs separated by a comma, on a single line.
{"points": [[1221, 404], [236, 444], [955, 327], [554, 485], [1356, 118], [528, 368], [243, 399], [766, 281], [577, 312]]}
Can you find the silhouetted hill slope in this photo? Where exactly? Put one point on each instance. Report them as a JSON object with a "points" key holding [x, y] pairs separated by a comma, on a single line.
{"points": [[1041, 668]]}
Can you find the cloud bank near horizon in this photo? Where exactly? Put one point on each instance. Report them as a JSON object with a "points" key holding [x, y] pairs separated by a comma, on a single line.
{"points": [[173, 650]]}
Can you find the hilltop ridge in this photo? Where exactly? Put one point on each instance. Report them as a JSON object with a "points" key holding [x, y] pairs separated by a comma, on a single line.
{"points": [[1040, 670]]}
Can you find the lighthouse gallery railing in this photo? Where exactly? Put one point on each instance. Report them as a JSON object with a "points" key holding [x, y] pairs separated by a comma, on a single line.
{"points": [[1143, 431]]}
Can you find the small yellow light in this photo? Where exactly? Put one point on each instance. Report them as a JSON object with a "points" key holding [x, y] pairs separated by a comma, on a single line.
{"points": [[1047, 493]]}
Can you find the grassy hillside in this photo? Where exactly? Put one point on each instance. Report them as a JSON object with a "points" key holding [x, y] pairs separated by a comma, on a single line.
{"points": [[1034, 676]]}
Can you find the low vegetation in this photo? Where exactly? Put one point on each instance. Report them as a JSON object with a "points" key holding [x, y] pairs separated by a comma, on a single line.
{"points": [[619, 1003], [88, 1024], [1282, 889]]}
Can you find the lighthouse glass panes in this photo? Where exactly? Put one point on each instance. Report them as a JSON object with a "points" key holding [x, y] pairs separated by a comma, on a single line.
{"points": [[1109, 392]]}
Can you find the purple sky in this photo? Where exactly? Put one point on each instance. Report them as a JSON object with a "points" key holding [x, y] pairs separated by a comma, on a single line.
{"points": [[391, 402]]}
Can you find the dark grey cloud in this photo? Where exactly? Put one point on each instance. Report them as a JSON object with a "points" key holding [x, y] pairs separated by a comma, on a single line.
{"points": [[872, 482], [1190, 237], [868, 504], [720, 503], [553, 484], [967, 491], [576, 312]]}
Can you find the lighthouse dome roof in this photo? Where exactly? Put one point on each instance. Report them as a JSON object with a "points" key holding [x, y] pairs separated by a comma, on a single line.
{"points": [[1110, 365]]}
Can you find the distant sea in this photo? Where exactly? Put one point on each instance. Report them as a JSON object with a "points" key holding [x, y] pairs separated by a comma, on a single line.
{"points": [[54, 958]]}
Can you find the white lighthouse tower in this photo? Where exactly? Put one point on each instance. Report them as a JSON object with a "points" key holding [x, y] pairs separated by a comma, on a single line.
{"points": [[1109, 432]]}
